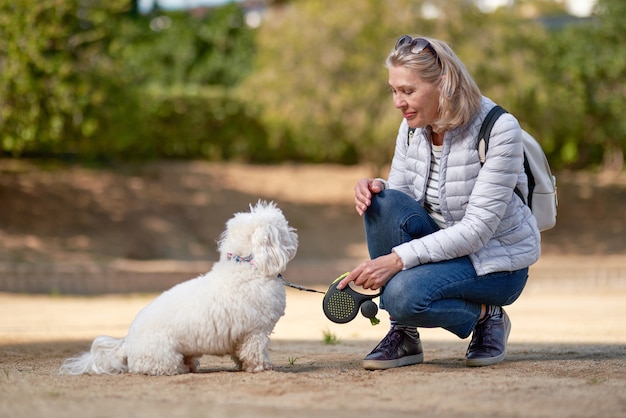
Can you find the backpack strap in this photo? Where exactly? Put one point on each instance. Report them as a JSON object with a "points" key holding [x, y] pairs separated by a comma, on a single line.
{"points": [[410, 134], [483, 141], [485, 131]]}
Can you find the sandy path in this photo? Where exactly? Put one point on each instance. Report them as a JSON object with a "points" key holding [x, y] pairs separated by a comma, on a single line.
{"points": [[567, 350], [567, 358]]}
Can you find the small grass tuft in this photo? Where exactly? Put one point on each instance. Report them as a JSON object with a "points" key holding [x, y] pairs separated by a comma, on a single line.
{"points": [[330, 338]]}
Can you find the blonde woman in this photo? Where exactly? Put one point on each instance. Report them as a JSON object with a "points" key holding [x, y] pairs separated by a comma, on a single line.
{"points": [[449, 240]]}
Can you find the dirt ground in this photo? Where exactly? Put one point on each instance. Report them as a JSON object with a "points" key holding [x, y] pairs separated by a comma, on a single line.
{"points": [[567, 350]]}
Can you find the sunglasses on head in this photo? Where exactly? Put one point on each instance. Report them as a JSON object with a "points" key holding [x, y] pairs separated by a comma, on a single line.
{"points": [[416, 45]]}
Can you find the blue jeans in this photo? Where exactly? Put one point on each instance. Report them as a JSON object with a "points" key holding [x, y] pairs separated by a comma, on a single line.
{"points": [[446, 294]]}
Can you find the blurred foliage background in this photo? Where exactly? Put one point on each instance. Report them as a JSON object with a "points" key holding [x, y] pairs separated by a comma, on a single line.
{"points": [[95, 80]]}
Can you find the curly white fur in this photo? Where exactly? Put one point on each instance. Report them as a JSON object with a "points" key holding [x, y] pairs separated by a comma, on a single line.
{"points": [[230, 310]]}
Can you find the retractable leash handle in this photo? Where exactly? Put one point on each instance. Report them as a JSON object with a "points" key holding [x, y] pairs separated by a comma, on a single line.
{"points": [[342, 306]]}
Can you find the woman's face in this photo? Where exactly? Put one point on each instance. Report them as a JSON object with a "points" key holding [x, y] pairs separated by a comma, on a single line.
{"points": [[416, 99]]}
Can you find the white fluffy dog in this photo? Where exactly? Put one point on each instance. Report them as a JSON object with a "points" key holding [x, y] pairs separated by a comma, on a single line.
{"points": [[230, 310]]}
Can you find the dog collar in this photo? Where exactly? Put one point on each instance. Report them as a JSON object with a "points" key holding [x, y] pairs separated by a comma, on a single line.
{"points": [[240, 259]]}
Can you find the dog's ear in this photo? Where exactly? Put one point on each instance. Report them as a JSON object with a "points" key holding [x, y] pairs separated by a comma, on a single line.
{"points": [[269, 255]]}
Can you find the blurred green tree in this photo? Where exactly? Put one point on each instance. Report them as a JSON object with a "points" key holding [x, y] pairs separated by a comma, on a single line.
{"points": [[93, 79], [179, 48], [584, 74], [321, 78], [57, 81], [318, 83]]}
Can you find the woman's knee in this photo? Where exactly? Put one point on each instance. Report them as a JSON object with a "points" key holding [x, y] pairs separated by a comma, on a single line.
{"points": [[395, 209], [379, 206], [387, 200]]}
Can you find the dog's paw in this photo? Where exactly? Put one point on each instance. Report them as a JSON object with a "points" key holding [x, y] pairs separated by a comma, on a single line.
{"points": [[256, 368], [191, 364]]}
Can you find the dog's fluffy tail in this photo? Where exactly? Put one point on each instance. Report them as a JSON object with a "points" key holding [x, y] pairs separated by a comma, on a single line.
{"points": [[107, 356]]}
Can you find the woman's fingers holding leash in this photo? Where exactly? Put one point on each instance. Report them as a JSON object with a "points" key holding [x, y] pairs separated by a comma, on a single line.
{"points": [[364, 275], [373, 274], [354, 274]]}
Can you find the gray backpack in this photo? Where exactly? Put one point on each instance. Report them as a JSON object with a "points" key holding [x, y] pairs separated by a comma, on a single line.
{"points": [[542, 197]]}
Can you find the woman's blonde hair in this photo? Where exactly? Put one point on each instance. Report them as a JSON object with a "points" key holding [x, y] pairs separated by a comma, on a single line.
{"points": [[459, 98]]}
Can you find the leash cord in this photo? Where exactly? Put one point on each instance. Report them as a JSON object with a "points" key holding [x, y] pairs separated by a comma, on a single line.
{"points": [[295, 286]]}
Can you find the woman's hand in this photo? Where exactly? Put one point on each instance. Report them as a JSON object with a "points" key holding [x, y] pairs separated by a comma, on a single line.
{"points": [[363, 192], [374, 274]]}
